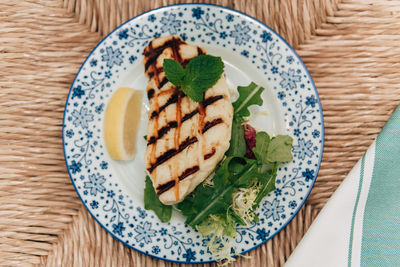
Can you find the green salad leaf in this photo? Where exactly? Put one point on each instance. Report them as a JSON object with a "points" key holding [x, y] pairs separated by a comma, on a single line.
{"points": [[218, 224], [267, 187], [261, 149], [151, 202], [237, 146], [280, 149], [248, 95], [200, 74], [207, 200]]}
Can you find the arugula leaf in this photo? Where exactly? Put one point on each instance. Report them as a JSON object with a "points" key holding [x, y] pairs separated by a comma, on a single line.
{"points": [[222, 175], [237, 146], [188, 206], [248, 174], [173, 71], [151, 202], [236, 165], [280, 149], [200, 74], [261, 148], [269, 186], [248, 95], [216, 200]]}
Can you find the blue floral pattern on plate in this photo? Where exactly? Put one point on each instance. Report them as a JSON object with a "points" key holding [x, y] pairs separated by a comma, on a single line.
{"points": [[111, 204]]}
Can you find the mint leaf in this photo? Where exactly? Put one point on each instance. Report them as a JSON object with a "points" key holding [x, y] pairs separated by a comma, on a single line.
{"points": [[173, 71], [237, 146], [261, 148], [203, 71], [280, 149], [200, 74], [151, 202], [193, 93], [248, 95]]}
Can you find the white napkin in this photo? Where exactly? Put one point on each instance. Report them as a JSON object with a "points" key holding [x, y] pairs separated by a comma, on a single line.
{"points": [[360, 224]]}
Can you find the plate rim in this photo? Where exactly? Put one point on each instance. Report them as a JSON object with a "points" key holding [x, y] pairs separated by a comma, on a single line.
{"points": [[252, 19]]}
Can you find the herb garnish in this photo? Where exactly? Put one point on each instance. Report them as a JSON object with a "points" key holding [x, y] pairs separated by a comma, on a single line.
{"points": [[200, 74]]}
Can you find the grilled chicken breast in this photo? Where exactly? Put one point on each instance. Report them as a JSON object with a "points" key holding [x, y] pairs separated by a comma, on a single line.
{"points": [[185, 139]]}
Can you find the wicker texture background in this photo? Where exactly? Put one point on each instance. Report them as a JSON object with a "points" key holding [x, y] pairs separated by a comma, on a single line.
{"points": [[351, 48]]}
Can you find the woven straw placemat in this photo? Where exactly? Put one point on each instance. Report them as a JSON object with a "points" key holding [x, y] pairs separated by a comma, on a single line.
{"points": [[352, 49]]}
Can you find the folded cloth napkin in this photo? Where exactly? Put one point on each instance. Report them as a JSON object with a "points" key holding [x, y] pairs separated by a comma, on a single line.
{"points": [[360, 224]]}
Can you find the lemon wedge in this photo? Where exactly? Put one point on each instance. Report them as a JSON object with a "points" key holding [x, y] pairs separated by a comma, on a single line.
{"points": [[121, 123]]}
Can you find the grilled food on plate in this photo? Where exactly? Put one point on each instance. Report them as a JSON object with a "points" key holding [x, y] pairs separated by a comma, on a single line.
{"points": [[185, 139]]}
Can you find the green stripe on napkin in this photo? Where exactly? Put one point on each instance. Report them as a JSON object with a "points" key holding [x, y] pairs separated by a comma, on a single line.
{"points": [[355, 211], [381, 229]]}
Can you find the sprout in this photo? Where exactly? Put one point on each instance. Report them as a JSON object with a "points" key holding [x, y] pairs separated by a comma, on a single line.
{"points": [[220, 230], [243, 200]]}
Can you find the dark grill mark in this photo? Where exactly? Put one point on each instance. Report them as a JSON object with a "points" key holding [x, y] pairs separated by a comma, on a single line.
{"points": [[199, 51], [163, 158], [210, 124], [152, 140], [172, 152], [210, 100], [156, 70], [187, 142], [175, 51], [173, 99], [188, 172], [185, 62], [189, 115], [150, 94], [153, 54], [165, 187], [186, 117], [209, 155], [163, 82], [154, 114], [162, 132], [165, 129]]}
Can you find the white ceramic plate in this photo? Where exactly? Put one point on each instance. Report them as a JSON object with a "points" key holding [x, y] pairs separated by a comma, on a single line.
{"points": [[112, 191]]}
